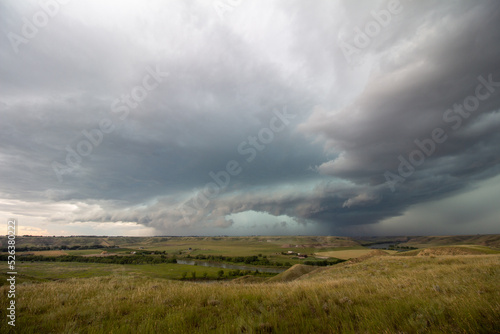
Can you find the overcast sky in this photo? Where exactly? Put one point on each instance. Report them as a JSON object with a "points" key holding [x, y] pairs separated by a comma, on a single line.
{"points": [[250, 117]]}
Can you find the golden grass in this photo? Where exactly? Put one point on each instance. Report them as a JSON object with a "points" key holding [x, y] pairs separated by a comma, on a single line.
{"points": [[388, 294], [452, 250], [49, 253], [293, 273], [350, 253]]}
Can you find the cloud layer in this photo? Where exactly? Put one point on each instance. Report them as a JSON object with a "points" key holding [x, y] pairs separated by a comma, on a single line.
{"points": [[183, 117]]}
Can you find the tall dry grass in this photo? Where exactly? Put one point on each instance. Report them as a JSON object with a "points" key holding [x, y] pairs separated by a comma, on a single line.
{"points": [[442, 294]]}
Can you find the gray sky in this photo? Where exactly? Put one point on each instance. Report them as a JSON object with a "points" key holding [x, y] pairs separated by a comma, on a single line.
{"points": [[250, 117]]}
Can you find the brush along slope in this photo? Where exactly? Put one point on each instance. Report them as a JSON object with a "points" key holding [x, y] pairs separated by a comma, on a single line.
{"points": [[293, 273]]}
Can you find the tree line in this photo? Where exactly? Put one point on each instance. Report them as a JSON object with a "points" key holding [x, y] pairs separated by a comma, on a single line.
{"points": [[259, 260]]}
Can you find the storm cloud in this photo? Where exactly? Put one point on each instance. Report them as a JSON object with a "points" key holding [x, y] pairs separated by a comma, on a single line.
{"points": [[250, 117]]}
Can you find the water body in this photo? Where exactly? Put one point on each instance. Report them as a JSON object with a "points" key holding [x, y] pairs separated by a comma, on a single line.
{"points": [[231, 266], [384, 245]]}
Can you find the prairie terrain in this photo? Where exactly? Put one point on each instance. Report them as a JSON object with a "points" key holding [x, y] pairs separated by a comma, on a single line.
{"points": [[350, 253], [445, 289]]}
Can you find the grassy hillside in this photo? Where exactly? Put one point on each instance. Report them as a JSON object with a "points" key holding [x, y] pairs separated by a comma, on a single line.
{"points": [[387, 294], [353, 253], [491, 240], [293, 273], [452, 250]]}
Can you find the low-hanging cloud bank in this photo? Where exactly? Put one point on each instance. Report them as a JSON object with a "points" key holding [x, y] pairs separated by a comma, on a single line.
{"points": [[414, 118]]}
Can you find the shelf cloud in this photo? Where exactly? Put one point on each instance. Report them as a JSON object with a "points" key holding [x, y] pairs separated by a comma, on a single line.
{"points": [[188, 118]]}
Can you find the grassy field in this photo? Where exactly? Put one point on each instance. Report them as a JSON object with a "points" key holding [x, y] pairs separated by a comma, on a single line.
{"points": [[349, 254], [389, 294], [448, 288], [117, 251], [244, 246], [181, 247], [452, 250], [50, 253], [491, 240], [233, 246], [51, 271]]}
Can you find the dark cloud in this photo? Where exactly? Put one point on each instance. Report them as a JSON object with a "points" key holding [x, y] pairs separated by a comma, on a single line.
{"points": [[406, 98], [227, 77]]}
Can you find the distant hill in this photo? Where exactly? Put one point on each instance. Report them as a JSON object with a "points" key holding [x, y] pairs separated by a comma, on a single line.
{"points": [[452, 250], [281, 242], [490, 240]]}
